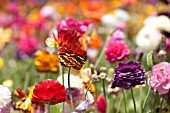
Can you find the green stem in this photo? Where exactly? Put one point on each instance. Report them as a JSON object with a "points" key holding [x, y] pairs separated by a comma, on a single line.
{"points": [[161, 104], [118, 108], [124, 100], [88, 89], [102, 52], [147, 96], [49, 106], [133, 100], [104, 91], [155, 101], [69, 88]]}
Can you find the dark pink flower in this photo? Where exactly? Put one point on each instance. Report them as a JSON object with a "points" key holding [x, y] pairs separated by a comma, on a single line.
{"points": [[160, 79], [116, 51], [101, 104], [28, 45], [81, 26]]}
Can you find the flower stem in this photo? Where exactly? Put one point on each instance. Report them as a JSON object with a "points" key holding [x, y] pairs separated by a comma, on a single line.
{"points": [[156, 98], [102, 52], [104, 91], [133, 100], [48, 106], [147, 96], [161, 105], [124, 100], [63, 84], [71, 99], [88, 89]]}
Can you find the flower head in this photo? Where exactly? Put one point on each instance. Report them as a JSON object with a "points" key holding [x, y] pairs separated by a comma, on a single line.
{"points": [[82, 106], [49, 90], [160, 79], [118, 36], [27, 46], [5, 98], [46, 62], [77, 95], [81, 26], [64, 37], [128, 74], [101, 103], [116, 51], [72, 56], [25, 103], [76, 81]]}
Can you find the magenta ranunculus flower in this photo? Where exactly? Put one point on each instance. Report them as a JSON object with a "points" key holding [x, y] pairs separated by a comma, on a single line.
{"points": [[160, 79], [28, 45], [116, 51], [81, 26]]}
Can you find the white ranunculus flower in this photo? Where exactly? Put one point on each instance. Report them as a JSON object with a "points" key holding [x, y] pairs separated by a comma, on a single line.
{"points": [[75, 81], [5, 96], [122, 14], [148, 39], [158, 22], [109, 20]]}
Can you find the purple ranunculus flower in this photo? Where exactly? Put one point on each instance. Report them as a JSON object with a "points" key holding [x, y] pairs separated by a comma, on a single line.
{"points": [[128, 74], [77, 95], [80, 26]]}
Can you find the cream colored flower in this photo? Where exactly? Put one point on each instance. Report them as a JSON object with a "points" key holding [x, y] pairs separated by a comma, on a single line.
{"points": [[148, 39], [75, 81], [5, 96]]}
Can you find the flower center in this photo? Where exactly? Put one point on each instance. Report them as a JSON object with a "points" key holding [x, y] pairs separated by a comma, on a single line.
{"points": [[161, 68]]}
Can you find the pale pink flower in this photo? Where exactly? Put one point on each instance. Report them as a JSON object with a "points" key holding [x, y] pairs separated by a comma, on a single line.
{"points": [[160, 79]]}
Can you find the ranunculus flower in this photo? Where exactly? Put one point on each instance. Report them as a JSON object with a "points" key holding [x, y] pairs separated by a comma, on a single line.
{"points": [[76, 81], [49, 90], [118, 36], [72, 56], [28, 46], [101, 103], [64, 37], [148, 39], [77, 95], [128, 74], [160, 79], [116, 51], [81, 26], [5, 99], [46, 62]]}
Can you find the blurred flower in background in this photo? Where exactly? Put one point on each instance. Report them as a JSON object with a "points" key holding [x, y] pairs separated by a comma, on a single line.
{"points": [[46, 62], [5, 99]]}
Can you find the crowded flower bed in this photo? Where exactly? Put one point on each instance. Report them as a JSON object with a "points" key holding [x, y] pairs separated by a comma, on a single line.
{"points": [[85, 56]]}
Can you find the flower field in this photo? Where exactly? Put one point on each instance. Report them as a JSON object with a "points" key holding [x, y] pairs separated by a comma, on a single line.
{"points": [[85, 56]]}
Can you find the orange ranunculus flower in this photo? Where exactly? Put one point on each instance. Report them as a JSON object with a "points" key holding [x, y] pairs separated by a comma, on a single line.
{"points": [[64, 37], [49, 90], [25, 104], [46, 62], [72, 56], [93, 9], [95, 41]]}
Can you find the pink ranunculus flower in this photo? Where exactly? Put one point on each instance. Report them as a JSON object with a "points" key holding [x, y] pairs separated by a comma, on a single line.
{"points": [[160, 79], [116, 51], [28, 45], [118, 35], [80, 26]]}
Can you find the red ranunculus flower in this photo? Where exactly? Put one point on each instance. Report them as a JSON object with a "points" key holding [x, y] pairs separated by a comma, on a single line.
{"points": [[49, 90], [67, 37], [101, 104], [72, 56]]}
